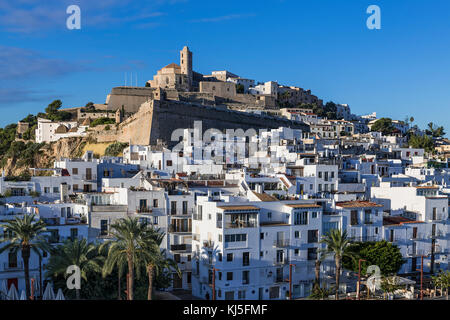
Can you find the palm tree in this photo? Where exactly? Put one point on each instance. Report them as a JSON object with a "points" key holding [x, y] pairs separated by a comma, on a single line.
{"points": [[25, 235], [155, 259], [128, 245], [337, 245], [76, 252]]}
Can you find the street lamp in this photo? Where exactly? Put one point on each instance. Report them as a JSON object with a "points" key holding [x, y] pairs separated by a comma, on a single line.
{"points": [[359, 276]]}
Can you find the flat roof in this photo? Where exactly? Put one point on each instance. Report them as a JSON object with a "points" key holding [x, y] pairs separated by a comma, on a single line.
{"points": [[238, 207], [357, 204], [303, 205]]}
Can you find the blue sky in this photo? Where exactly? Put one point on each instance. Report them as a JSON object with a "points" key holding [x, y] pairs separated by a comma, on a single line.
{"points": [[323, 45]]}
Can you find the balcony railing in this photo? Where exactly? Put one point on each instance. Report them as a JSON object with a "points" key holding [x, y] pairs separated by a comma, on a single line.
{"points": [[415, 253], [240, 224], [182, 212], [437, 234], [363, 239], [439, 217], [13, 266], [181, 247], [280, 262], [281, 243], [174, 229], [89, 177], [197, 217], [418, 236]]}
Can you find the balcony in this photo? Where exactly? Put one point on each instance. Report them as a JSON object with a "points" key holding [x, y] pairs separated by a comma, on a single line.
{"points": [[181, 247], [437, 234], [182, 212], [178, 229], [89, 177], [439, 217], [280, 262], [13, 266], [281, 243], [415, 253], [417, 237], [240, 224], [363, 239]]}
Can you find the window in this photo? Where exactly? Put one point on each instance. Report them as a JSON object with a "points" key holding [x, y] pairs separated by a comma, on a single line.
{"points": [[313, 236], [229, 257], [173, 207], [261, 236], [241, 294], [314, 214], [296, 251], [155, 203], [103, 227], [301, 218], [229, 276], [155, 220], [220, 238], [269, 215], [297, 234], [312, 253], [235, 237], [245, 277], [219, 256], [354, 217], [74, 170], [246, 258], [75, 187], [169, 163], [55, 189]]}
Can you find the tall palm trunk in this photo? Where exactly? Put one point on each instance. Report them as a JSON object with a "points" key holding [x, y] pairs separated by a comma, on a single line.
{"points": [[130, 278], [26, 266], [150, 271], [338, 274], [119, 295], [317, 274]]}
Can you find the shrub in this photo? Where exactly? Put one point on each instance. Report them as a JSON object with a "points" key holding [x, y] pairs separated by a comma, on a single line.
{"points": [[115, 149]]}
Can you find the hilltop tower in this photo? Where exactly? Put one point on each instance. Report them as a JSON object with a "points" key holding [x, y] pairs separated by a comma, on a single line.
{"points": [[186, 65]]}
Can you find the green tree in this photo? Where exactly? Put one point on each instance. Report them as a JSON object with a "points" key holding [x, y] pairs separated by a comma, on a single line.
{"points": [[383, 125], [422, 142], [128, 244], [155, 259], [116, 148], [381, 253], [53, 107], [74, 252], [337, 245], [25, 235], [390, 284], [435, 132]]}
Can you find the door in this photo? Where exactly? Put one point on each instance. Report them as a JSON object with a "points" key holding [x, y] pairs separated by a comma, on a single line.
{"points": [[13, 281], [177, 281], [229, 295], [261, 294], [88, 174]]}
